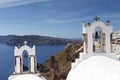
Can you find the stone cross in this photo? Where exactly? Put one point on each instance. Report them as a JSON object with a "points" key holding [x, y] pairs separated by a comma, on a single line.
{"points": [[96, 18], [25, 42]]}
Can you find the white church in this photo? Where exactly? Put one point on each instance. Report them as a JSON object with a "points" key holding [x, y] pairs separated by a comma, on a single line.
{"points": [[98, 61], [19, 73]]}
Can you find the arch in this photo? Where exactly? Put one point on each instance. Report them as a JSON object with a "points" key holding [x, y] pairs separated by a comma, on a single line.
{"points": [[25, 61], [101, 26], [18, 53], [97, 39], [104, 39], [105, 31]]}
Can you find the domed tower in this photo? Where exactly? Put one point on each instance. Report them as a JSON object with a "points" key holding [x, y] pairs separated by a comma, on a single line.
{"points": [[19, 66]]}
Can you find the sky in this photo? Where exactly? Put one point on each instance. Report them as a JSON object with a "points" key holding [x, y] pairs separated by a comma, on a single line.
{"points": [[55, 18]]}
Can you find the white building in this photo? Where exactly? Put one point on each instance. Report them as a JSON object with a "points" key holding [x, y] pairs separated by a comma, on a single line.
{"points": [[18, 64], [116, 42], [116, 35], [97, 42]]}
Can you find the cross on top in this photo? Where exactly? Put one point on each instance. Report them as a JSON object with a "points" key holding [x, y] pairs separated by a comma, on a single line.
{"points": [[25, 42], [96, 18]]}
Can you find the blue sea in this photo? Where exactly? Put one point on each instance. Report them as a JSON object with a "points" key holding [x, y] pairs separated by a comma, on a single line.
{"points": [[7, 57]]}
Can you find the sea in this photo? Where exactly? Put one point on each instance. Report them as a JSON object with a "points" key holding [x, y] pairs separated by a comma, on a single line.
{"points": [[7, 57]]}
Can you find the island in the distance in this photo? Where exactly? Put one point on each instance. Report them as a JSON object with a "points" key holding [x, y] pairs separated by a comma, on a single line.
{"points": [[34, 40]]}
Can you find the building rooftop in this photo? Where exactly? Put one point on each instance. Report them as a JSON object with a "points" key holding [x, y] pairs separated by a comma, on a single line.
{"points": [[96, 68]]}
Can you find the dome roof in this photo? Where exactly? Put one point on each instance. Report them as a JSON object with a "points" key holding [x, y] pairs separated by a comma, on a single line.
{"points": [[27, 77], [96, 68]]}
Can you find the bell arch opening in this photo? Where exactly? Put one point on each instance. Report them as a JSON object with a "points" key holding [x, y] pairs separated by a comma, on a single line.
{"points": [[98, 40], [25, 61]]}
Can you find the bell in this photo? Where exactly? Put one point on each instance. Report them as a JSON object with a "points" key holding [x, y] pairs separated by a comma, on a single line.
{"points": [[96, 35]]}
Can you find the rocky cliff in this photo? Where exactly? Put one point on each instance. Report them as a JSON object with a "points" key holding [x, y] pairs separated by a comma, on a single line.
{"points": [[58, 66]]}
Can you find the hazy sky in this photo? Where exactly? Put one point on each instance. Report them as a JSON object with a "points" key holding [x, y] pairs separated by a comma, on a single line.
{"points": [[57, 18]]}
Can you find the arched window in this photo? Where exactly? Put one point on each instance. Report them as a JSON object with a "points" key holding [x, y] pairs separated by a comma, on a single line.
{"points": [[97, 33], [25, 60], [97, 40], [25, 56]]}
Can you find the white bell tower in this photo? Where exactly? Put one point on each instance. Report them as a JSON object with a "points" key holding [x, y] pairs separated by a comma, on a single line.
{"points": [[89, 34], [18, 61], [96, 40]]}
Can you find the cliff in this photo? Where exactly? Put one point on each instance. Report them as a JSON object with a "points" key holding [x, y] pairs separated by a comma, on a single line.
{"points": [[58, 66]]}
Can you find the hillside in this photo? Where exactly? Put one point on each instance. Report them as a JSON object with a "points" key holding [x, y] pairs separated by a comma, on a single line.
{"points": [[58, 66], [33, 40]]}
